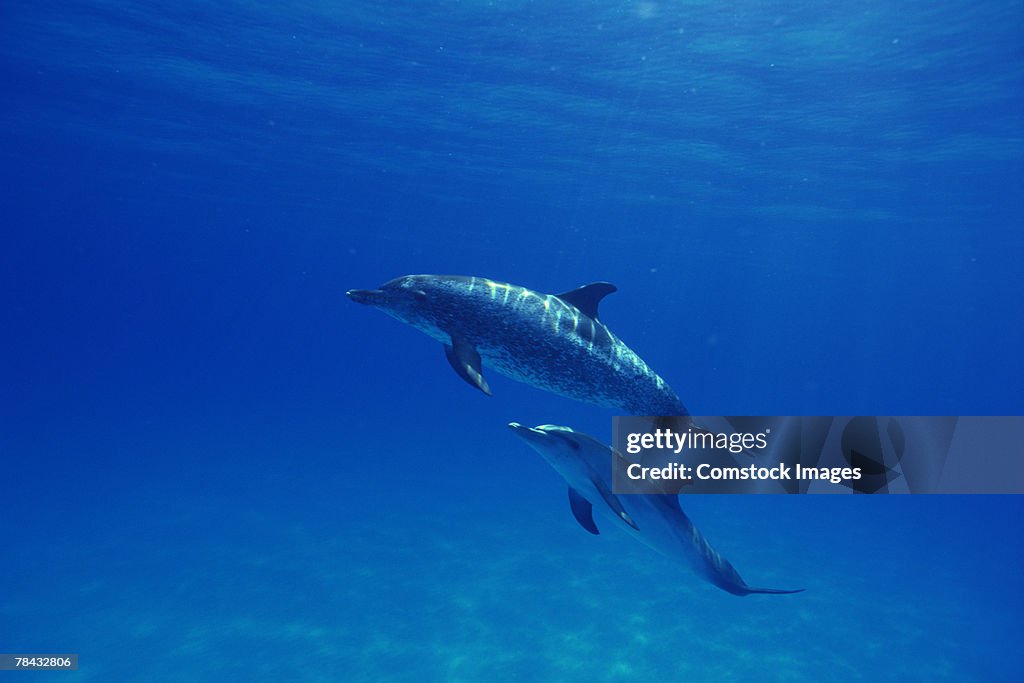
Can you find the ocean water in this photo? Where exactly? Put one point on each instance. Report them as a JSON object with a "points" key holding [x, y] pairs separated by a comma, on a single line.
{"points": [[216, 467]]}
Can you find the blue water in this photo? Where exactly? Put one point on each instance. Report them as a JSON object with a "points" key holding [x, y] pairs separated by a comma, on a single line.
{"points": [[215, 467]]}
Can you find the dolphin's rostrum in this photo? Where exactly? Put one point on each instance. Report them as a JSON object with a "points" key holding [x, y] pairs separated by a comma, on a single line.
{"points": [[654, 519], [554, 342]]}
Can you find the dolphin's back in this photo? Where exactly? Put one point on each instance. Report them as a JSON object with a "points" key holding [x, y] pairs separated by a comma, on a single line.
{"points": [[545, 341], [691, 543]]}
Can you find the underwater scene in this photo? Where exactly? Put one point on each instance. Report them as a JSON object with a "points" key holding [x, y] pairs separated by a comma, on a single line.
{"points": [[239, 443]]}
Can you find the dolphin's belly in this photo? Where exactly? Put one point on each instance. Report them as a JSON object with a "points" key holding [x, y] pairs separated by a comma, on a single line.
{"points": [[578, 378]]}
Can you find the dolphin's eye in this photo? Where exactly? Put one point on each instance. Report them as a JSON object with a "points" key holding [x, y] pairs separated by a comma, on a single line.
{"points": [[420, 295]]}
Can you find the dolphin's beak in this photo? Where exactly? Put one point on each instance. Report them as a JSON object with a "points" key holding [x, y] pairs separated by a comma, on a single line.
{"points": [[367, 297]]}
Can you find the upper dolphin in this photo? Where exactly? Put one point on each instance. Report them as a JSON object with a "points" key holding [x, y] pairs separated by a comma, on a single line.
{"points": [[554, 342]]}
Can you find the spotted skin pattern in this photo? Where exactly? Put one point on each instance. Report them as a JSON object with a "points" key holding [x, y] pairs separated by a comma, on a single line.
{"points": [[536, 338]]}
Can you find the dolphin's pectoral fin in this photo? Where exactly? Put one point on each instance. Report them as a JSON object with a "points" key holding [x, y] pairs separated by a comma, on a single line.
{"points": [[582, 510], [613, 502], [587, 297], [465, 360]]}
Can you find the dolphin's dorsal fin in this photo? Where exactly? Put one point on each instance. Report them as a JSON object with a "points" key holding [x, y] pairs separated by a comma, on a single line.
{"points": [[587, 297], [465, 360], [582, 510]]}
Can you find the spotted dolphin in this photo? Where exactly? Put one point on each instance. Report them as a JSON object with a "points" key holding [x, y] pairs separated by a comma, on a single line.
{"points": [[554, 342], [654, 519]]}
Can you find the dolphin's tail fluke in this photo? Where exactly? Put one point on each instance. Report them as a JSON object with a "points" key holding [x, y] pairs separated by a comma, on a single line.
{"points": [[728, 579]]}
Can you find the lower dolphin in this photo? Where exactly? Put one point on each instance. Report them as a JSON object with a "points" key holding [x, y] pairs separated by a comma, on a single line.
{"points": [[654, 519]]}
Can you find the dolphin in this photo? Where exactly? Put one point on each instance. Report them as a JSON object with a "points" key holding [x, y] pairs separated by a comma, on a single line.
{"points": [[654, 519], [554, 342]]}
